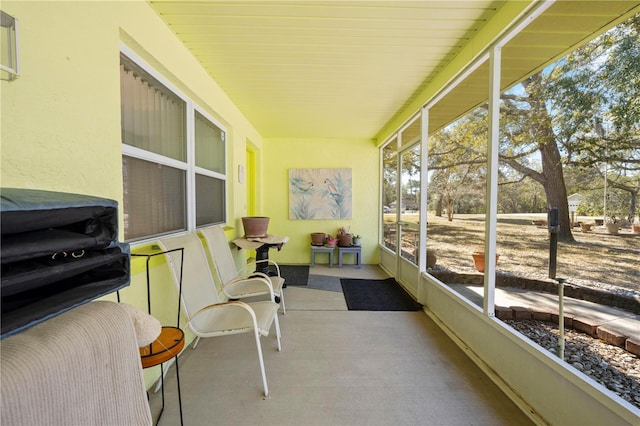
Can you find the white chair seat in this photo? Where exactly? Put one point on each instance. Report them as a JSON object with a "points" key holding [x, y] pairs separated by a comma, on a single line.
{"points": [[234, 319]]}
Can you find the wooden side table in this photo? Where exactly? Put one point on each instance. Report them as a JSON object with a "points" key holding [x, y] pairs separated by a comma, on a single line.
{"points": [[167, 346], [357, 250], [262, 246], [321, 249]]}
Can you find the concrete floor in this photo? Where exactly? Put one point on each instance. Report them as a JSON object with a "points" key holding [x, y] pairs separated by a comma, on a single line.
{"points": [[337, 367]]}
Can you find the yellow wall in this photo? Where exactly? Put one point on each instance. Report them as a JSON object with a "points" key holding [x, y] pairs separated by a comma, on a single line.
{"points": [[359, 155], [60, 120]]}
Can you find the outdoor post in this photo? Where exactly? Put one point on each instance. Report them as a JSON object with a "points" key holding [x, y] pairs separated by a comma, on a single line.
{"points": [[553, 254], [561, 318], [553, 241]]}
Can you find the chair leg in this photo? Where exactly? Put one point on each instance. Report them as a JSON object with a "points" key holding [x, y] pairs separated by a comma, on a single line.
{"points": [[277, 324], [264, 374], [195, 342], [284, 308]]}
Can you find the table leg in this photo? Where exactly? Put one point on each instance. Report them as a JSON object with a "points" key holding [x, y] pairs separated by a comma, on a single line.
{"points": [[262, 255]]}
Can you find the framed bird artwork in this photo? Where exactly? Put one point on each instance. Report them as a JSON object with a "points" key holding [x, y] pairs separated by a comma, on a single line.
{"points": [[320, 194]]}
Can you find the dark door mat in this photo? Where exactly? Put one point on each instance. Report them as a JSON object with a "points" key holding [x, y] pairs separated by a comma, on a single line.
{"points": [[377, 295], [294, 274]]}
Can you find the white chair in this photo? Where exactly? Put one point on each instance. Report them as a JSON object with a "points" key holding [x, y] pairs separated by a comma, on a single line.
{"points": [[236, 283], [207, 315]]}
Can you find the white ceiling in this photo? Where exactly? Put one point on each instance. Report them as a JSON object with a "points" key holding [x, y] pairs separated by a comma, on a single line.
{"points": [[343, 69]]}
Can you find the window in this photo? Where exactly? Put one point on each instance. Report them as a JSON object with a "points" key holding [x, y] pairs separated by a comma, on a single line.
{"points": [[210, 171], [390, 194], [173, 157], [401, 192]]}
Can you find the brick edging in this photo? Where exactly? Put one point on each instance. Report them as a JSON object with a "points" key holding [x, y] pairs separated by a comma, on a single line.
{"points": [[583, 325]]}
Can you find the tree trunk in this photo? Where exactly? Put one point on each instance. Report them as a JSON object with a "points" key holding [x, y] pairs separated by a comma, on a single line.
{"points": [[632, 204], [555, 189], [439, 206], [450, 202], [552, 177]]}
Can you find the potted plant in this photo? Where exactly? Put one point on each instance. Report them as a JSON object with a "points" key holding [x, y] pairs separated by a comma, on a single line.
{"points": [[613, 224], [356, 240], [331, 241], [344, 237], [586, 227], [431, 258], [478, 260], [317, 238]]}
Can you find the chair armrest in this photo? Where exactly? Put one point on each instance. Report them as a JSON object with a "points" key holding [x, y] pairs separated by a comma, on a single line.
{"points": [[234, 288], [270, 262]]}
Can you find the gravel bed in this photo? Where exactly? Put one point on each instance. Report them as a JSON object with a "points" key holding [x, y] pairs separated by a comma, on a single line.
{"points": [[611, 366]]}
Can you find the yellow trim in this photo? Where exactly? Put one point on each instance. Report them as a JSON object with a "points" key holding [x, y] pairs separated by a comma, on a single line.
{"points": [[250, 180]]}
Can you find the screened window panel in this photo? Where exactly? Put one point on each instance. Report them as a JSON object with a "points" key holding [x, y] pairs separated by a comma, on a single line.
{"points": [[153, 117], [410, 203], [389, 195], [209, 194], [210, 139], [154, 198]]}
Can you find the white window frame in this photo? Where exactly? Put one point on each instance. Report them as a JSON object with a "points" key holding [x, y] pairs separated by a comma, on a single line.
{"points": [[188, 166]]}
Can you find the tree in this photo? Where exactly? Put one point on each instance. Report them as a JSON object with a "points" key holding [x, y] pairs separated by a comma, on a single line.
{"points": [[582, 111], [595, 93], [457, 161], [527, 129]]}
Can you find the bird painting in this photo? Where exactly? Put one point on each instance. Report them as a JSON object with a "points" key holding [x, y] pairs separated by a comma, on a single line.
{"points": [[320, 193], [331, 188]]}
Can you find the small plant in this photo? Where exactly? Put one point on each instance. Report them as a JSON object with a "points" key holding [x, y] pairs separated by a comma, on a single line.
{"points": [[331, 241], [612, 218], [343, 231], [613, 224]]}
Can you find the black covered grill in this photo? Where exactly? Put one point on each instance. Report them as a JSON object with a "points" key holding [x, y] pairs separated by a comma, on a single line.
{"points": [[58, 250]]}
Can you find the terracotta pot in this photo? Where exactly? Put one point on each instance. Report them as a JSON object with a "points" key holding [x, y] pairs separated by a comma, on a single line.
{"points": [[613, 228], [317, 238], [255, 226], [478, 260], [344, 240], [636, 227], [431, 258], [586, 227]]}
